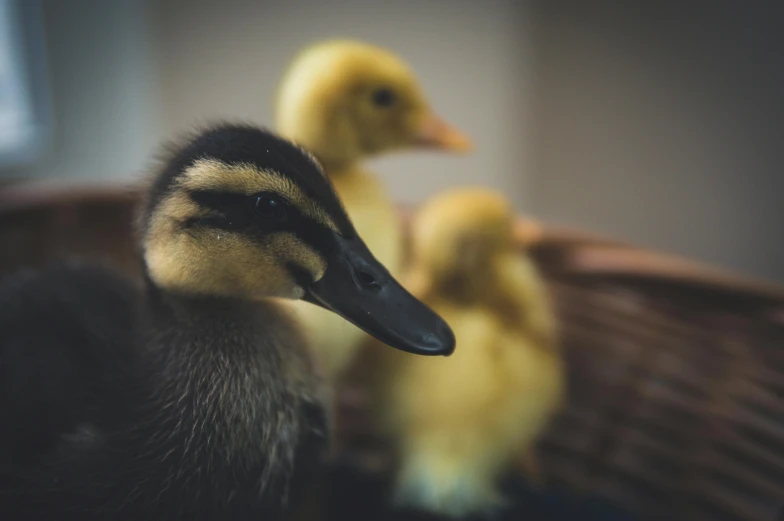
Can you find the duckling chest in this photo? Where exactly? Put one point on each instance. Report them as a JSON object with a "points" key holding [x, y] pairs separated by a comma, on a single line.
{"points": [[240, 420], [373, 213], [237, 447], [252, 416]]}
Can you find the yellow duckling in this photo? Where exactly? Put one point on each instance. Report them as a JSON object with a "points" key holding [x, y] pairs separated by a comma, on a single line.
{"points": [[346, 101], [488, 403]]}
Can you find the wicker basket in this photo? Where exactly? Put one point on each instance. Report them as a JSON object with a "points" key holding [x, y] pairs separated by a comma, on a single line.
{"points": [[676, 370], [43, 222], [677, 383]]}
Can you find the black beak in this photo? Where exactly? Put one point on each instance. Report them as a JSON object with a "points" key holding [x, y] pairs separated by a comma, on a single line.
{"points": [[358, 288]]}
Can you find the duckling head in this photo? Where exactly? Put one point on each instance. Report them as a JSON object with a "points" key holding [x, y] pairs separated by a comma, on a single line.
{"points": [[459, 235], [238, 212], [347, 100]]}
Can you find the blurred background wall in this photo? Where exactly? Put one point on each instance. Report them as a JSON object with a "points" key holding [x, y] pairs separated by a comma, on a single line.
{"points": [[663, 123], [656, 122], [226, 58]]}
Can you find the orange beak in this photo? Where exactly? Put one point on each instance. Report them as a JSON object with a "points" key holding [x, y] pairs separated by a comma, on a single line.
{"points": [[437, 134]]}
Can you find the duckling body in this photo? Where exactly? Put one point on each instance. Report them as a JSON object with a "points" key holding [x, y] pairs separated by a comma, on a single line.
{"points": [[489, 402], [167, 437], [369, 205], [347, 101], [193, 396]]}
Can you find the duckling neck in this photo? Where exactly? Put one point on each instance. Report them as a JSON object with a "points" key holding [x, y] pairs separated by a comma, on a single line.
{"points": [[231, 391], [240, 367]]}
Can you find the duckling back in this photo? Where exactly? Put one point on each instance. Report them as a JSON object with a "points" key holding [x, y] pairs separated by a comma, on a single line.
{"points": [[489, 402]]}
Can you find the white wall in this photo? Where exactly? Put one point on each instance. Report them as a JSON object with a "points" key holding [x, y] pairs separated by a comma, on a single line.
{"points": [[225, 58], [663, 123]]}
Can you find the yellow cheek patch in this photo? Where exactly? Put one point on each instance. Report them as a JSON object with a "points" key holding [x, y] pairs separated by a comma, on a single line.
{"points": [[215, 262], [290, 249], [219, 262], [210, 174]]}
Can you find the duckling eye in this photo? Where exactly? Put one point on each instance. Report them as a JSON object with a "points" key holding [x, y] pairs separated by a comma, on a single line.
{"points": [[270, 207], [383, 97]]}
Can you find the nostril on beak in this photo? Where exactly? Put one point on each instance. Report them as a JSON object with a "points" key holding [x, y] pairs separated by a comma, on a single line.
{"points": [[367, 280]]}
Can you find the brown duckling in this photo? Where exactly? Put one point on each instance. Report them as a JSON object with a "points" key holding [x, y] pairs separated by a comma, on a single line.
{"points": [[194, 396]]}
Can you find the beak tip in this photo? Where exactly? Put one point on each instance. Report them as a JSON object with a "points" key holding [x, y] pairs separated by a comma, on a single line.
{"points": [[441, 342], [465, 147], [439, 135], [448, 351]]}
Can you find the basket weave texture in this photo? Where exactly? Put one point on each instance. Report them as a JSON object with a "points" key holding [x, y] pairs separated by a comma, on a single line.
{"points": [[676, 371]]}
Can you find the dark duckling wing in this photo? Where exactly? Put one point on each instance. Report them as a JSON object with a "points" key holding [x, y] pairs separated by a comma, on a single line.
{"points": [[62, 331]]}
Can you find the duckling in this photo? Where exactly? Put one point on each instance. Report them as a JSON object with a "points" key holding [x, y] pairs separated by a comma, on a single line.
{"points": [[192, 395], [346, 101], [456, 426]]}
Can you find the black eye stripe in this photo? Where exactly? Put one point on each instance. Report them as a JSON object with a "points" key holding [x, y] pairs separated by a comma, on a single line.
{"points": [[227, 210], [236, 212], [218, 201], [242, 145], [315, 235], [301, 276], [271, 206]]}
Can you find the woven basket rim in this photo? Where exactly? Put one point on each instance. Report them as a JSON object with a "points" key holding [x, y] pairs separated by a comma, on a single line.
{"points": [[28, 195], [590, 254]]}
